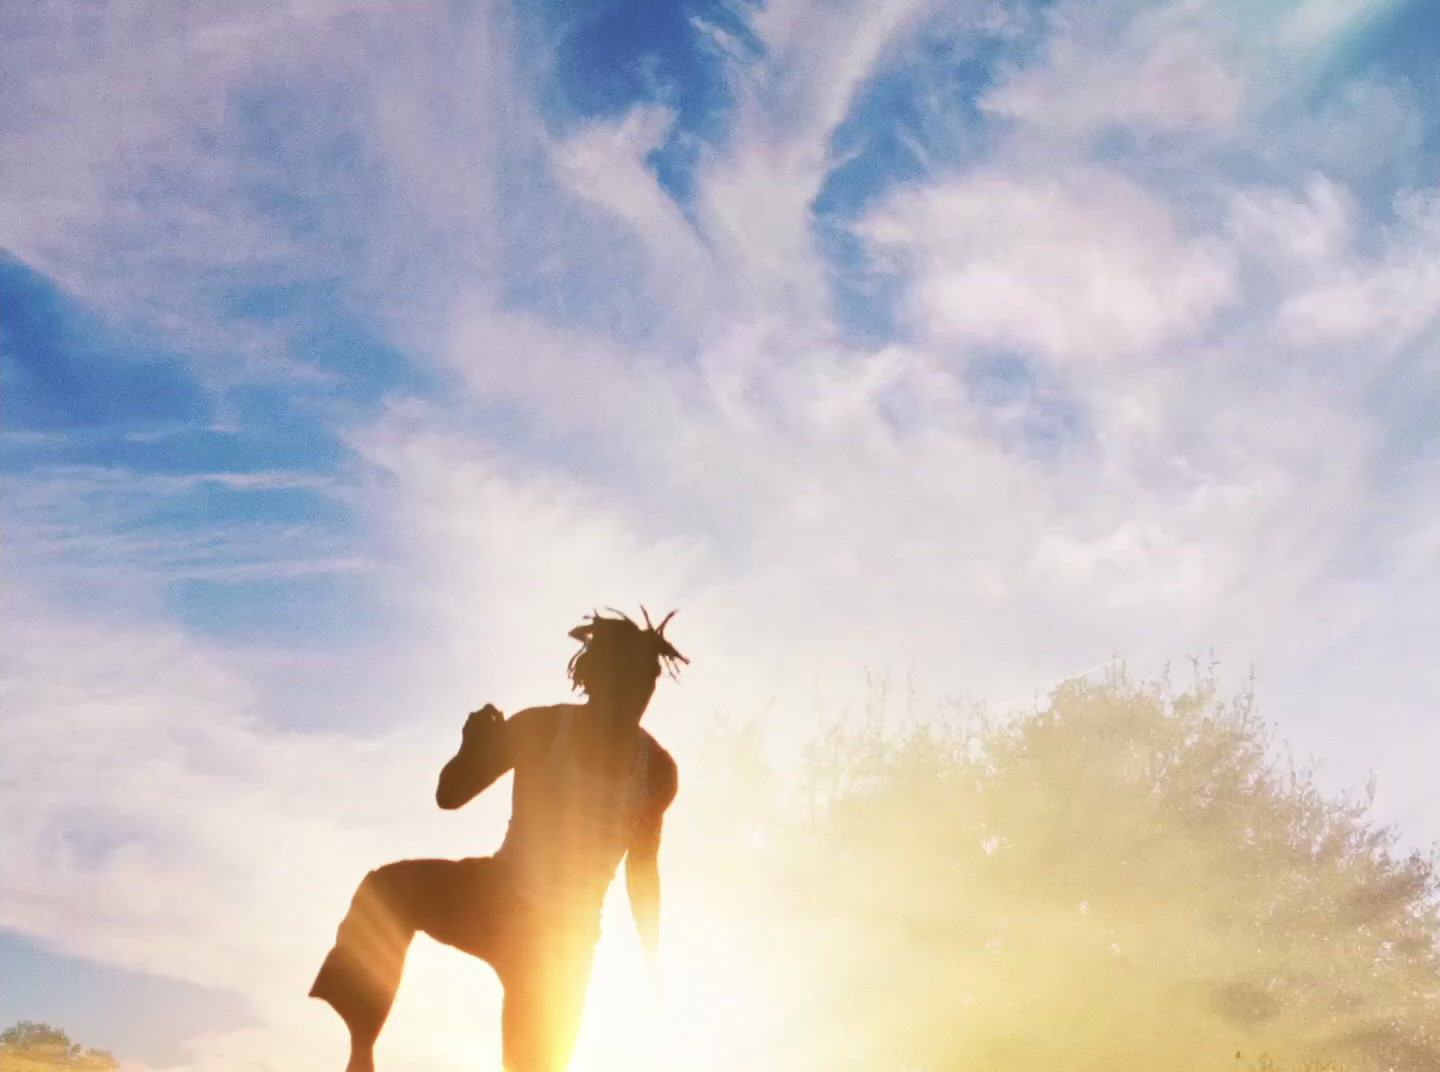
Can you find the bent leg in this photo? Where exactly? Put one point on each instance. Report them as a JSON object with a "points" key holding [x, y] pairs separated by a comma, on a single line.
{"points": [[362, 972]]}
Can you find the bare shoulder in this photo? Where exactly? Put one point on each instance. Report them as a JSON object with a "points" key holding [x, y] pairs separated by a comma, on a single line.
{"points": [[663, 774]]}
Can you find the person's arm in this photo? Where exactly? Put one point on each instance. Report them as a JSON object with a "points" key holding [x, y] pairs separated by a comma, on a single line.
{"points": [[487, 748], [642, 861]]}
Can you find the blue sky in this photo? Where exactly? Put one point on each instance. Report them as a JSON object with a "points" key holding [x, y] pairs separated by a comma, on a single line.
{"points": [[351, 350]]}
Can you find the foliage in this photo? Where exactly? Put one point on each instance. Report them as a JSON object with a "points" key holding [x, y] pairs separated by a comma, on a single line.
{"points": [[1126, 879], [30, 1046], [28, 1034]]}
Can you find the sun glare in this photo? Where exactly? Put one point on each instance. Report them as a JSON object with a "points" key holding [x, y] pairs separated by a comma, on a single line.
{"points": [[713, 1003], [708, 1006], [446, 1014]]}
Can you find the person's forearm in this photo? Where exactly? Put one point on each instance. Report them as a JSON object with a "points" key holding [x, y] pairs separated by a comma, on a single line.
{"points": [[460, 780], [643, 884]]}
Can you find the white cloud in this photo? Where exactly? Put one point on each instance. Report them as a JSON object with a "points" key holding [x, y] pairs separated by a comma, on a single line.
{"points": [[1109, 65], [754, 194], [1192, 69], [605, 163], [298, 141], [1080, 266], [95, 528], [68, 197], [1382, 303], [1305, 234], [155, 822], [1309, 27]]}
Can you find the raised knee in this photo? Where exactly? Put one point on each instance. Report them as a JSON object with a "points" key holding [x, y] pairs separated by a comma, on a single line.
{"points": [[369, 892], [374, 900], [381, 883], [382, 874]]}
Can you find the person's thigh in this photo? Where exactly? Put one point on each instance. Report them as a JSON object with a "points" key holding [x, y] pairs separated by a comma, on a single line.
{"points": [[360, 974], [462, 903]]}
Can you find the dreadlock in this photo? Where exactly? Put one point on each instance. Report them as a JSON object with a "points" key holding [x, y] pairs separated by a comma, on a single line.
{"points": [[606, 638]]}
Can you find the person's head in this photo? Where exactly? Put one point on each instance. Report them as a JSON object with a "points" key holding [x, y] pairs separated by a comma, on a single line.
{"points": [[619, 661]]}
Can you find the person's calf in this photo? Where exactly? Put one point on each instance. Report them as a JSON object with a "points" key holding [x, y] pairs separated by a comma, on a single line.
{"points": [[362, 1057], [364, 1030]]}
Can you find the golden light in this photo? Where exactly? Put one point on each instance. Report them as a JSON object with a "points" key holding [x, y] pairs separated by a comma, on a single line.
{"points": [[713, 1003], [446, 1015]]}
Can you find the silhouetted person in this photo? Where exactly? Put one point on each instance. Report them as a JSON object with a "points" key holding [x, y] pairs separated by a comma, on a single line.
{"points": [[590, 788]]}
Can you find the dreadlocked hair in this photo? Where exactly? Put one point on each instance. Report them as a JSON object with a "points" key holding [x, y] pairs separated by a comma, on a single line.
{"points": [[606, 638]]}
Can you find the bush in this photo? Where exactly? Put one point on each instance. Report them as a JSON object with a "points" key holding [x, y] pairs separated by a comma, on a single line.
{"points": [[30, 1034], [49, 1047], [1127, 879]]}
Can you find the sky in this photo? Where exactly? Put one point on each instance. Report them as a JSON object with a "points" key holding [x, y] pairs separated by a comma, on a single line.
{"points": [[353, 350]]}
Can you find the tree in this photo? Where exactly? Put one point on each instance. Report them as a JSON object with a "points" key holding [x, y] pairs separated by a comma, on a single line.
{"points": [[44, 1046], [31, 1034], [1127, 879]]}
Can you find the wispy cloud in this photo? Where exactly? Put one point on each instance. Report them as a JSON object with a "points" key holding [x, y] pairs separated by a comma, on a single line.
{"points": [[1082, 267]]}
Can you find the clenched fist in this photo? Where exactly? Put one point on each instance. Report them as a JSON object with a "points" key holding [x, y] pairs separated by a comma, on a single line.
{"points": [[482, 724]]}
